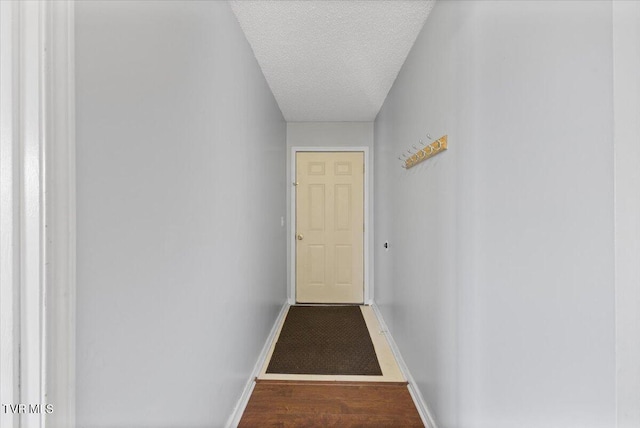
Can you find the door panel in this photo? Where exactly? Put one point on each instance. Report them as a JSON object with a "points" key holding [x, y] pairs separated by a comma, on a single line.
{"points": [[330, 227]]}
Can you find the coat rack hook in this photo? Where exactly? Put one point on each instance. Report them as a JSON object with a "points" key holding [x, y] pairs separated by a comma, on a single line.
{"points": [[412, 159]]}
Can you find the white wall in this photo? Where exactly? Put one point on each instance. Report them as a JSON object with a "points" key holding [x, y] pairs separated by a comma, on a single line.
{"points": [[626, 68], [181, 254], [499, 284], [424, 212], [323, 135]]}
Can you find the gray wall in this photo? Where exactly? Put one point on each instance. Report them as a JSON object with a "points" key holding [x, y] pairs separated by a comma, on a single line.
{"points": [[626, 68], [499, 282], [322, 135], [181, 255]]}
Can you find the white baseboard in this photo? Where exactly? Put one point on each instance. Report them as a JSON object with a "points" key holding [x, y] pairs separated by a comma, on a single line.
{"points": [[238, 410], [418, 399]]}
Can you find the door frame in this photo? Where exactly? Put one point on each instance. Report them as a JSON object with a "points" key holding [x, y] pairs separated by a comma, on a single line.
{"points": [[37, 226], [368, 217]]}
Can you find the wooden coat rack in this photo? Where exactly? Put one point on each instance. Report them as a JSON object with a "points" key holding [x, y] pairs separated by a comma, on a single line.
{"points": [[423, 154]]}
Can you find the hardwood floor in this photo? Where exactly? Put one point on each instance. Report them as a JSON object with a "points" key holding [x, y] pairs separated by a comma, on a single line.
{"points": [[342, 404]]}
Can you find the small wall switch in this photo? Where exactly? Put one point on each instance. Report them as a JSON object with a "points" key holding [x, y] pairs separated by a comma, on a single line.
{"points": [[281, 221]]}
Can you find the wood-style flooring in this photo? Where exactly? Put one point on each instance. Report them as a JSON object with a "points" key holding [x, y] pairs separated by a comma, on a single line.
{"points": [[339, 404]]}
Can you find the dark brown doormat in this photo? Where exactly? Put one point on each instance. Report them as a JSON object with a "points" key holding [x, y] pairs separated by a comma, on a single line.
{"points": [[324, 340]]}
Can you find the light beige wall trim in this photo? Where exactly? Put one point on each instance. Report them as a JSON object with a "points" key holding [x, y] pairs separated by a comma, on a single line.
{"points": [[368, 218]]}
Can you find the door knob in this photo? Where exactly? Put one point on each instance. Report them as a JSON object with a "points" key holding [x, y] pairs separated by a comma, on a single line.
{"points": [[300, 237]]}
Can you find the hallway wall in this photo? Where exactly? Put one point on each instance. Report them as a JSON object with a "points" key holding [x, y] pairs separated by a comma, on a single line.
{"points": [[181, 187], [498, 285], [626, 69]]}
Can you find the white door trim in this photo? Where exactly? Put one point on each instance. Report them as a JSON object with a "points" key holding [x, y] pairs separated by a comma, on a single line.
{"points": [[37, 214], [10, 283], [368, 224], [60, 219]]}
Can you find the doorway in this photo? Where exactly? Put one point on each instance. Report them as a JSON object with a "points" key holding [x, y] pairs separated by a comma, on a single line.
{"points": [[329, 220]]}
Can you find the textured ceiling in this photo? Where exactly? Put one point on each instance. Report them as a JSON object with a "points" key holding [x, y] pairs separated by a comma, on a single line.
{"points": [[331, 60]]}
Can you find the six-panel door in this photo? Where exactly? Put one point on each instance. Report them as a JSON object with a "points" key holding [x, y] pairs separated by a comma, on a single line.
{"points": [[329, 227]]}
